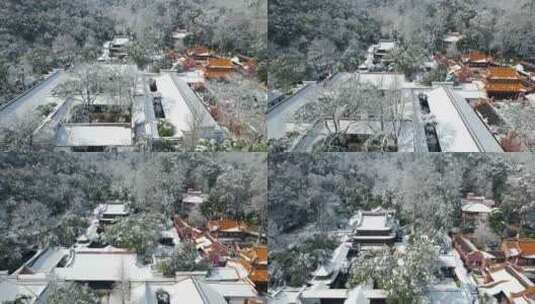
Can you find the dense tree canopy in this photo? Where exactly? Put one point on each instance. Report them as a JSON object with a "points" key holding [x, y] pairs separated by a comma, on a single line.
{"points": [[48, 199], [310, 38]]}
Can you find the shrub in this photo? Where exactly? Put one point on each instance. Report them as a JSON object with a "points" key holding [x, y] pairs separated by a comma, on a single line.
{"points": [[166, 129], [46, 109]]}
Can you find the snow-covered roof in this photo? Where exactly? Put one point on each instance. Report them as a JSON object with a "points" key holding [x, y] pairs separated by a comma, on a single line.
{"points": [[472, 90], [103, 264], [113, 209], [193, 199], [223, 274], [503, 281], [383, 81], [190, 290], [180, 35], [459, 129], [286, 295], [386, 45], [194, 76], [120, 41], [94, 135], [238, 289], [453, 38], [374, 221], [476, 208], [325, 293], [178, 100]]}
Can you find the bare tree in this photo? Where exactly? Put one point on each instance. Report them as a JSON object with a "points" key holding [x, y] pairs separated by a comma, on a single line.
{"points": [[88, 83], [389, 110], [195, 128], [18, 135], [120, 85]]}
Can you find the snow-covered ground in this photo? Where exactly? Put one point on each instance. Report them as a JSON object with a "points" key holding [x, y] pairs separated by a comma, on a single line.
{"points": [[26, 105]]}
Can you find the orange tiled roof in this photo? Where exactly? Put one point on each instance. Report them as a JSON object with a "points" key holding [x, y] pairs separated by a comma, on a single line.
{"points": [[502, 72], [477, 56], [522, 246], [219, 63], [256, 253], [200, 50], [527, 246], [226, 224], [255, 274], [210, 74], [505, 87], [259, 276]]}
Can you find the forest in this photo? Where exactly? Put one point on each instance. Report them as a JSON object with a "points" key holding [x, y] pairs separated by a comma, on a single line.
{"points": [[313, 38], [37, 36], [312, 195], [47, 198]]}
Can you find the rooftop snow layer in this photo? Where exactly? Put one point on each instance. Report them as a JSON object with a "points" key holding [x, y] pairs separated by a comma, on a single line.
{"points": [[93, 135], [459, 129]]}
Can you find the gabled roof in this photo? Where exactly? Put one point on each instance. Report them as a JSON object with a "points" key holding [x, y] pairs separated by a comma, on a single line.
{"points": [[505, 87], [193, 198], [257, 254], [502, 73], [476, 208], [239, 289], [522, 247], [386, 45], [190, 290], [373, 221], [103, 264], [207, 294], [477, 57], [226, 225], [459, 128], [506, 280], [199, 51], [219, 63]]}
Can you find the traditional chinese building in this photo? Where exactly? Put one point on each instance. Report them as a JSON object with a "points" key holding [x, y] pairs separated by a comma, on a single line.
{"points": [[228, 230], [477, 60], [476, 209], [118, 47], [192, 200], [218, 68], [521, 253], [507, 285], [472, 257], [503, 83], [255, 261], [200, 53], [207, 245], [374, 228], [111, 212]]}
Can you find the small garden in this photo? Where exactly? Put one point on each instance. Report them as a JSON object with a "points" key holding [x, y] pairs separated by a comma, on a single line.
{"points": [[100, 114]]}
